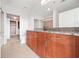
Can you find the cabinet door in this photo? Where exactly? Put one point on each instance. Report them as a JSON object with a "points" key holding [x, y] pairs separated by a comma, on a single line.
{"points": [[55, 50], [32, 40], [58, 46], [62, 51], [65, 45], [50, 46], [29, 39], [41, 44], [77, 46]]}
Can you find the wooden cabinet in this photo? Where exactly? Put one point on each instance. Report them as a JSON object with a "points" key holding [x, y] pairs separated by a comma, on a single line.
{"points": [[50, 46], [32, 40], [77, 46], [53, 45], [58, 46], [28, 35], [41, 43], [64, 44], [61, 46]]}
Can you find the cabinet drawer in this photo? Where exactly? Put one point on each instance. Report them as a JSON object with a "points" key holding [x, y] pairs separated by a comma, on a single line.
{"points": [[65, 39]]}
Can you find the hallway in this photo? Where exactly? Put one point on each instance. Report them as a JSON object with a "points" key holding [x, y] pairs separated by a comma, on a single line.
{"points": [[13, 49]]}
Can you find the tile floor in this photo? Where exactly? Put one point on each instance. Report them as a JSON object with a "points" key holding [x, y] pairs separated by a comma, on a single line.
{"points": [[13, 49]]}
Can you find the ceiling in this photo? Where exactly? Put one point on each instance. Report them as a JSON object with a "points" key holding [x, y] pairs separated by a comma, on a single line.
{"points": [[34, 7]]}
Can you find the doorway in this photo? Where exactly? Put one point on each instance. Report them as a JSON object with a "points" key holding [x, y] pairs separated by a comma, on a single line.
{"points": [[12, 27]]}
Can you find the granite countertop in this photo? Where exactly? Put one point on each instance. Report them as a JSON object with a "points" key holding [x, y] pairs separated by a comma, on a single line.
{"points": [[58, 32]]}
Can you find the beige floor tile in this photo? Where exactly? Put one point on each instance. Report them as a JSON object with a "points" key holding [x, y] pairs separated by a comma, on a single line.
{"points": [[13, 49]]}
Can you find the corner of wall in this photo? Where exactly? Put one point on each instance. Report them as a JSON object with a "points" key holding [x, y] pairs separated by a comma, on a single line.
{"points": [[22, 40]]}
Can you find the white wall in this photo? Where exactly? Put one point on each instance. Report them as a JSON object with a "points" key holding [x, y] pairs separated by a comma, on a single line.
{"points": [[38, 24], [0, 28], [7, 28], [23, 29], [0, 3], [69, 18], [23, 23], [0, 20], [31, 24], [76, 17], [55, 18]]}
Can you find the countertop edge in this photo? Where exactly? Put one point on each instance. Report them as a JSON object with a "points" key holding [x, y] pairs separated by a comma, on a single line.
{"points": [[56, 32]]}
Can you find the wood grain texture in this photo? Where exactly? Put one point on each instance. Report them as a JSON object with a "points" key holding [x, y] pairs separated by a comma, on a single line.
{"points": [[54, 45]]}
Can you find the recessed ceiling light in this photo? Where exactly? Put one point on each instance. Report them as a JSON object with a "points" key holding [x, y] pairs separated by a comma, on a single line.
{"points": [[14, 17]]}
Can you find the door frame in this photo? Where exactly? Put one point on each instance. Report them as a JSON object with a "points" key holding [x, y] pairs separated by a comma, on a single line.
{"points": [[14, 17]]}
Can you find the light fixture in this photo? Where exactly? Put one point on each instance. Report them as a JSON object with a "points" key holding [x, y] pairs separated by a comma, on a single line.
{"points": [[43, 2], [48, 9], [14, 17]]}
